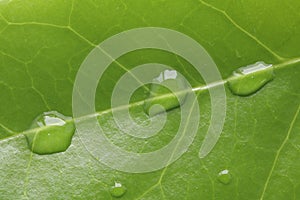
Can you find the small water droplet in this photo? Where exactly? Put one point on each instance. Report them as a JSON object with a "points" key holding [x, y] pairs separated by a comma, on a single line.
{"points": [[161, 95], [52, 133], [118, 190], [248, 80], [224, 176]]}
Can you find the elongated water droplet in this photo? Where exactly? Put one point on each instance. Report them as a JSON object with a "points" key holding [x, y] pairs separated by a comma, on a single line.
{"points": [[224, 176], [168, 90], [248, 80], [52, 133], [118, 190]]}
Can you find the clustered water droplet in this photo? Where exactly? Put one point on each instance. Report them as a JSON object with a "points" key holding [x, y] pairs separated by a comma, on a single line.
{"points": [[224, 176], [162, 92], [118, 190], [248, 80], [51, 133]]}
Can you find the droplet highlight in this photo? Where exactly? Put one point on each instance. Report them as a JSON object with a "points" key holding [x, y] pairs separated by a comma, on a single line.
{"points": [[224, 176], [52, 133], [118, 190], [248, 80], [168, 90]]}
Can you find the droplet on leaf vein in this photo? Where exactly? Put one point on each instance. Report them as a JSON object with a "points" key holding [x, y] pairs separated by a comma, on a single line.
{"points": [[168, 90], [248, 80], [52, 133]]}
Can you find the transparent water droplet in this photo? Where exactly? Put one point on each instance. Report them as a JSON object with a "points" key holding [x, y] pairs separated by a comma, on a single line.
{"points": [[248, 80], [52, 133], [224, 176], [168, 90], [118, 190]]}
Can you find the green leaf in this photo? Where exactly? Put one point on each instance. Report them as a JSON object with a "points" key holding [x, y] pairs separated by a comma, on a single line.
{"points": [[42, 45]]}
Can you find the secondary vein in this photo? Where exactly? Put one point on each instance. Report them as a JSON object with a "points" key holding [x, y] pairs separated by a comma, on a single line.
{"points": [[279, 151], [278, 57]]}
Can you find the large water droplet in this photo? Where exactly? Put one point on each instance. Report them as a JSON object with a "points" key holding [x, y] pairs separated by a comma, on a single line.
{"points": [[224, 176], [52, 133], [118, 190], [168, 90], [248, 80]]}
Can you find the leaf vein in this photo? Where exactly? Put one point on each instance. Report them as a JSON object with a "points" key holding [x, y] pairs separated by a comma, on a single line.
{"points": [[279, 151], [234, 23]]}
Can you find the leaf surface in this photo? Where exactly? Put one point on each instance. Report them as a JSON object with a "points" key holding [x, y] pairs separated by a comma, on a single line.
{"points": [[43, 43]]}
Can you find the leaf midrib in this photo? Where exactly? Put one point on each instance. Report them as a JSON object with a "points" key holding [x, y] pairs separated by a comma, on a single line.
{"points": [[200, 88]]}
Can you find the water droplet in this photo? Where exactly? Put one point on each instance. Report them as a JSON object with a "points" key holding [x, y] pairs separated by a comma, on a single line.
{"points": [[52, 133], [224, 176], [117, 190], [162, 92], [248, 80]]}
